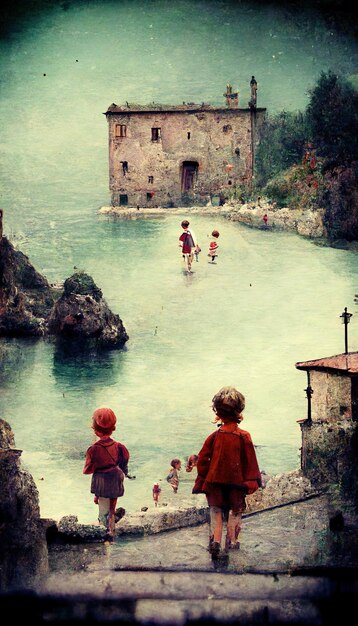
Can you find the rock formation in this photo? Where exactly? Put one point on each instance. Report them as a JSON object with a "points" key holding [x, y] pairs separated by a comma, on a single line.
{"points": [[30, 306], [23, 545], [82, 314], [26, 297]]}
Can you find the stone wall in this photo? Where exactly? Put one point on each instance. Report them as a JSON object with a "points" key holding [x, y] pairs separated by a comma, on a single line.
{"points": [[329, 454], [219, 141]]}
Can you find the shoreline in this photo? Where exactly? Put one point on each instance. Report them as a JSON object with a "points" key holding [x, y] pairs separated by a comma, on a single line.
{"points": [[306, 223]]}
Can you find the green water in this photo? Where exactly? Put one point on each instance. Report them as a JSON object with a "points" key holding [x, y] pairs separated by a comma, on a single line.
{"points": [[272, 299]]}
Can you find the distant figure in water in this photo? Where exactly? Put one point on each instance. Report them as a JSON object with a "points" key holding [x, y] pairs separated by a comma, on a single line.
{"points": [[192, 462], [213, 246], [156, 493], [173, 476], [107, 460]]}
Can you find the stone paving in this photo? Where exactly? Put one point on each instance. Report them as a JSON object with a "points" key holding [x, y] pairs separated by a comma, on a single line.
{"points": [[291, 569]]}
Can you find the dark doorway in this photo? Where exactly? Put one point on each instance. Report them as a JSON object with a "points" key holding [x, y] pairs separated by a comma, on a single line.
{"points": [[123, 199], [189, 174]]}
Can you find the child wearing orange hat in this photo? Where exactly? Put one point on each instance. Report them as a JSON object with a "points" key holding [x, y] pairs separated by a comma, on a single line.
{"points": [[107, 460]]}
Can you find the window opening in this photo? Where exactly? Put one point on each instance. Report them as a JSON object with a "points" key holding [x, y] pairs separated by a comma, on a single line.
{"points": [[123, 199], [189, 134], [151, 179], [124, 167], [121, 130], [156, 134]]}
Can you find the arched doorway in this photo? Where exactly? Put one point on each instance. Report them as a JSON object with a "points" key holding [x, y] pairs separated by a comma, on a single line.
{"points": [[188, 176]]}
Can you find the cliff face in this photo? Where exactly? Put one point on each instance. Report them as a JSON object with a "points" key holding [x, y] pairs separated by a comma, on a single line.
{"points": [[26, 297], [30, 306], [23, 545]]}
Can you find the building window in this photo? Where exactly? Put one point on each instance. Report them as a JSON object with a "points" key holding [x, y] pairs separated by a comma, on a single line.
{"points": [[150, 195], [188, 134], [151, 179], [123, 199], [121, 130], [156, 135], [124, 167]]}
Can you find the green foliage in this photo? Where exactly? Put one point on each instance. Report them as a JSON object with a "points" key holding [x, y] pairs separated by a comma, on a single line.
{"points": [[281, 145], [332, 120]]}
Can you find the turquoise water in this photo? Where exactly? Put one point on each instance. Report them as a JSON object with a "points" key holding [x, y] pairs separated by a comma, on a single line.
{"points": [[272, 299]]}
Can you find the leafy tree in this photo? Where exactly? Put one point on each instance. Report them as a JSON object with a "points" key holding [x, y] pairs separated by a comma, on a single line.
{"points": [[332, 120], [281, 145]]}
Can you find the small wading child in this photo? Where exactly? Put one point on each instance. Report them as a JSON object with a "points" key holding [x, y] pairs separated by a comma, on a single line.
{"points": [[213, 246], [173, 476], [227, 470], [191, 463], [107, 460], [156, 493]]}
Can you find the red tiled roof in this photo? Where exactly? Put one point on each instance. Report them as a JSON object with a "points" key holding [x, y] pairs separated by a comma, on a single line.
{"points": [[340, 362]]}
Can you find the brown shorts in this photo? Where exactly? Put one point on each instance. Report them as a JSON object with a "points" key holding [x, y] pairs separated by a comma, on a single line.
{"points": [[226, 497]]}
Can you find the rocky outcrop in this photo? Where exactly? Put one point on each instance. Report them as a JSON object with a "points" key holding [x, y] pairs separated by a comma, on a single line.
{"points": [[82, 314], [26, 297], [23, 545], [31, 307], [306, 222]]}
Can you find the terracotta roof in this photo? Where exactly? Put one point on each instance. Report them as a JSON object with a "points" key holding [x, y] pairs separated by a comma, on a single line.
{"points": [[340, 362]]}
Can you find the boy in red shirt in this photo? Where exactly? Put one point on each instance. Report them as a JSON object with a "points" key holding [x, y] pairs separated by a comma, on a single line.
{"points": [[188, 244], [227, 470], [107, 460]]}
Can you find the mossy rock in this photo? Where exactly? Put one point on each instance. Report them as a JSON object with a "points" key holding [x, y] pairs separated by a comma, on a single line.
{"points": [[83, 284]]}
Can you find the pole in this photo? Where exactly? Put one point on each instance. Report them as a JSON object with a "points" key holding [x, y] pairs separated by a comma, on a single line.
{"points": [[345, 320], [309, 392]]}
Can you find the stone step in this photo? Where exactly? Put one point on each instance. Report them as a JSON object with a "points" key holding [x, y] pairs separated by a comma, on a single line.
{"points": [[183, 598]]}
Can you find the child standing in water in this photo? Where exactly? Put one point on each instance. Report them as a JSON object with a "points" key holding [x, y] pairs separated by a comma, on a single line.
{"points": [[227, 470], [213, 246], [173, 476], [188, 245], [107, 460], [156, 493]]}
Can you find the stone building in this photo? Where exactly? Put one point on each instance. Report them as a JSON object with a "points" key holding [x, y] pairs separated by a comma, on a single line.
{"points": [[177, 155], [329, 434]]}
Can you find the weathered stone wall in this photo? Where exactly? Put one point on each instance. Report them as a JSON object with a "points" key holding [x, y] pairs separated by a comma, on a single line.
{"points": [[218, 140], [332, 397], [328, 452]]}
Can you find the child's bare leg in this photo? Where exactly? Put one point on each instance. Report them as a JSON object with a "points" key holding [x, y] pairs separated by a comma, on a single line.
{"points": [[216, 524], [103, 510], [233, 529]]}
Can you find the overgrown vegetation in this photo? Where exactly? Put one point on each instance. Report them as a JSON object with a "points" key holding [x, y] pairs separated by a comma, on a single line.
{"points": [[310, 159]]}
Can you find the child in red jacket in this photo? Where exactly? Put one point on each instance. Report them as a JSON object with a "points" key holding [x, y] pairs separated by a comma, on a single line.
{"points": [[107, 460], [227, 470]]}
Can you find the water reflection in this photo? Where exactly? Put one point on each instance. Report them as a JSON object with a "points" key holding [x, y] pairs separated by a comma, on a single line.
{"points": [[80, 362]]}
